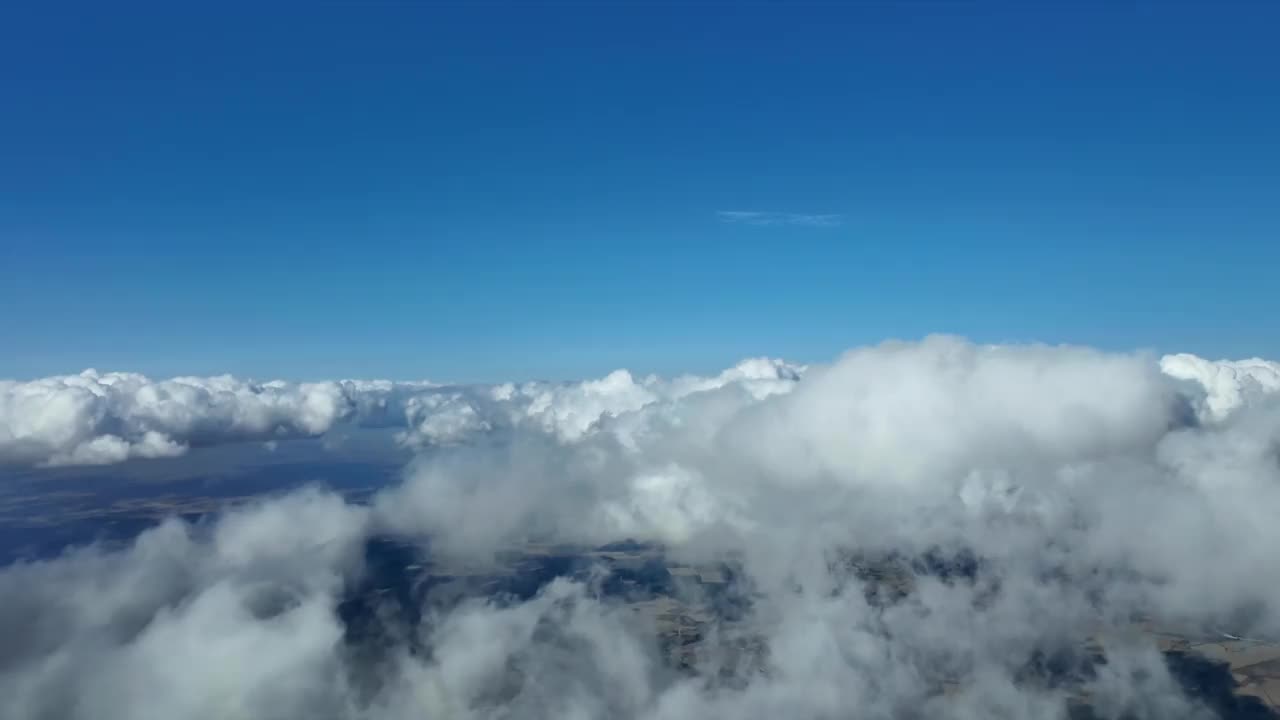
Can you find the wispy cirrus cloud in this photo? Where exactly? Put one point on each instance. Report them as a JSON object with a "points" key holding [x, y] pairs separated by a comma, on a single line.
{"points": [[759, 217]]}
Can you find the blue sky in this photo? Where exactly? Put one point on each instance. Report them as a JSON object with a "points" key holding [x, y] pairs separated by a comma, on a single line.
{"points": [[487, 191]]}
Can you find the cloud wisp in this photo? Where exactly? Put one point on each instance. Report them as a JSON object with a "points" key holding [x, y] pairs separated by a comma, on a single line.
{"points": [[758, 217], [1030, 497]]}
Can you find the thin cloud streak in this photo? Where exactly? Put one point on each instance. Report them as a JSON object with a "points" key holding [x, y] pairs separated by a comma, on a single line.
{"points": [[756, 217]]}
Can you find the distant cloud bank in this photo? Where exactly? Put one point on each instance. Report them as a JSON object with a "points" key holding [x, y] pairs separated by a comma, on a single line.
{"points": [[101, 418]]}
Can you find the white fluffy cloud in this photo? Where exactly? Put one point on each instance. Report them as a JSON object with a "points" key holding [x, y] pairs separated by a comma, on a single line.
{"points": [[1086, 489], [95, 418], [1227, 384], [100, 418]]}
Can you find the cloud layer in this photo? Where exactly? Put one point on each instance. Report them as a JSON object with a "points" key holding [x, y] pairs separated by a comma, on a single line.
{"points": [[100, 418], [1032, 496]]}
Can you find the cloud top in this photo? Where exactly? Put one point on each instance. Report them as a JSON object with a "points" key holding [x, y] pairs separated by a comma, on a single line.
{"points": [[1227, 384]]}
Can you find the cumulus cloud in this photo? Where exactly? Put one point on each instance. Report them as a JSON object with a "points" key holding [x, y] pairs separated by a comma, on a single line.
{"points": [[187, 621], [102, 418], [1227, 384], [916, 528]]}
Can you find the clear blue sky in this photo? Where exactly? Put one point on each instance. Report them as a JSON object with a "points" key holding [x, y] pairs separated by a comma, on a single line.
{"points": [[489, 190]]}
